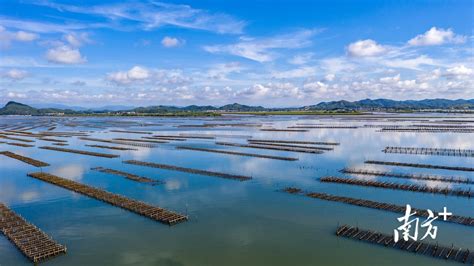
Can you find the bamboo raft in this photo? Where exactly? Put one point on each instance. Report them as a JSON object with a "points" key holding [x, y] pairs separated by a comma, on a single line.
{"points": [[293, 142], [452, 179], [397, 186], [128, 143], [269, 147], [52, 139], [430, 151], [60, 144], [428, 130], [141, 140], [189, 170], [335, 127], [97, 154], [133, 132], [292, 146], [238, 153], [447, 253], [284, 130], [24, 159], [430, 166], [139, 207], [111, 147], [16, 139], [19, 144], [36, 245], [130, 176], [165, 138], [463, 220], [196, 136]]}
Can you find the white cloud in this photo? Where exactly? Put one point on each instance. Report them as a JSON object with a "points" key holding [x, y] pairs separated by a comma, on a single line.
{"points": [[393, 79], [169, 42], [151, 15], [329, 77], [460, 70], [365, 48], [436, 36], [301, 59], [77, 39], [64, 54], [410, 63], [263, 50], [25, 36], [300, 72], [141, 75], [6, 37], [15, 74], [221, 71]]}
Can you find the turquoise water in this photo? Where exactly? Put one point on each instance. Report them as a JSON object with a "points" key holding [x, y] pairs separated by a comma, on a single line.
{"points": [[230, 222]]}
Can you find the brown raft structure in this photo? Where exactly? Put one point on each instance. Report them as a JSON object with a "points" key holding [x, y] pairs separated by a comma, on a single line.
{"points": [[36, 245], [416, 165], [139, 207], [391, 185], [97, 154], [130, 176], [237, 153], [430, 151], [463, 220], [24, 159], [189, 170], [448, 179], [447, 253]]}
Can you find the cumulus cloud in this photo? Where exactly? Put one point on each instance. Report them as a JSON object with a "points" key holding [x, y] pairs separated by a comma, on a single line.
{"points": [[365, 48], [460, 70], [77, 39], [142, 75], [169, 42], [64, 54], [263, 49], [300, 72], [435, 36], [15, 74], [6, 37]]}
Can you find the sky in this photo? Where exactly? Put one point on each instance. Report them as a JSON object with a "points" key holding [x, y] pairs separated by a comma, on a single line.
{"points": [[211, 52]]}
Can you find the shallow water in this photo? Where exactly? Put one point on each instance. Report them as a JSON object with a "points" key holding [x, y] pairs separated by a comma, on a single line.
{"points": [[230, 222]]}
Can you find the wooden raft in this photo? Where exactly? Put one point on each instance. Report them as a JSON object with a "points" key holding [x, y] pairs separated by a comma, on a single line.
{"points": [[451, 253], [30, 240], [463, 220], [139, 207], [24, 159]]}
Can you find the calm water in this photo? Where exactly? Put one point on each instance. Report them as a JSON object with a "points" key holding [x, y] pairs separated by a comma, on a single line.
{"points": [[231, 222]]}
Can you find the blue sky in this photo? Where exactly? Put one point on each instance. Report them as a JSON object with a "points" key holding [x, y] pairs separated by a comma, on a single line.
{"points": [[270, 53]]}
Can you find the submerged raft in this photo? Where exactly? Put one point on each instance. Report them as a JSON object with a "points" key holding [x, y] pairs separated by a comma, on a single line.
{"points": [[139, 207], [449, 253], [463, 220], [24, 159], [293, 141], [397, 186], [430, 151], [189, 170], [36, 245], [270, 147], [237, 153], [451, 179], [130, 176], [430, 166], [111, 147], [97, 154]]}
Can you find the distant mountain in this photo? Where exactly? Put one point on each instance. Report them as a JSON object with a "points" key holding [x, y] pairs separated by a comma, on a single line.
{"points": [[385, 104], [15, 108]]}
